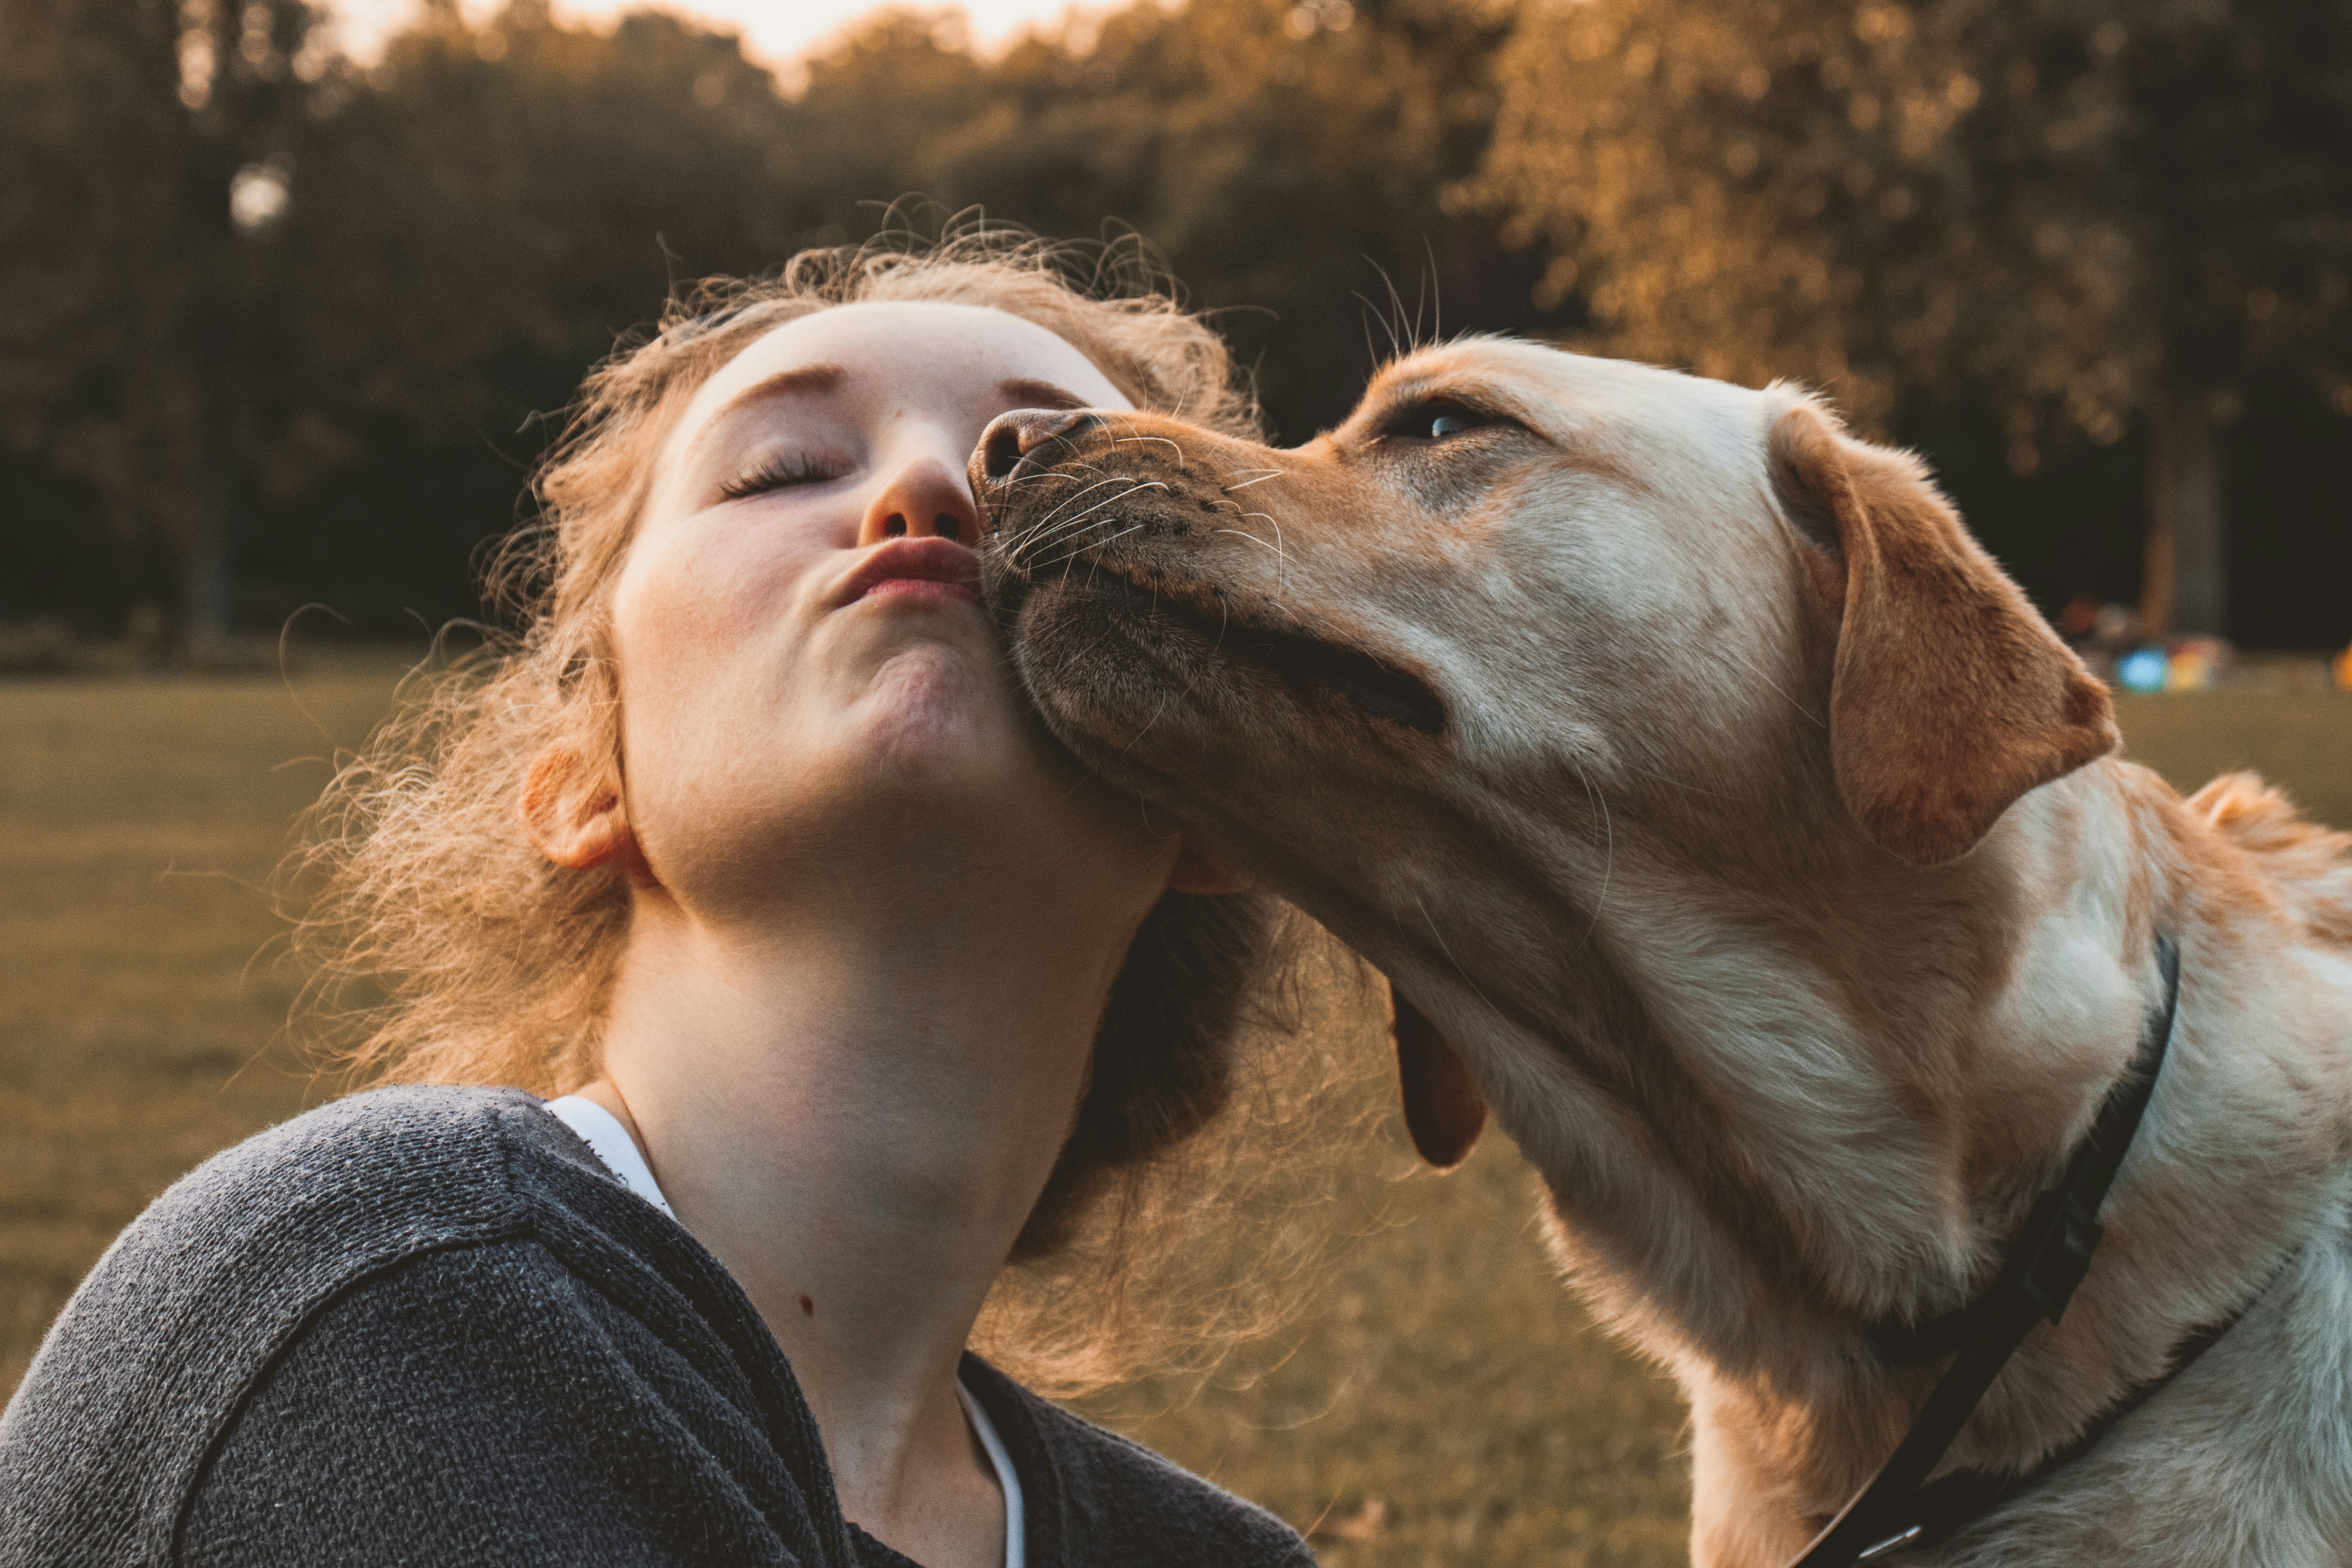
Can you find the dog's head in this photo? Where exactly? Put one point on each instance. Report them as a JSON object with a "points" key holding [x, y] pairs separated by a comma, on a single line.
{"points": [[1526, 618]]}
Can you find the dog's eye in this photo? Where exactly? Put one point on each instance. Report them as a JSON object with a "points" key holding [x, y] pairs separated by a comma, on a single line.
{"points": [[1435, 418]]}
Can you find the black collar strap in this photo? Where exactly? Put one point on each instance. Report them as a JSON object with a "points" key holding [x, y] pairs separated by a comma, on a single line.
{"points": [[2050, 1253], [2046, 1260], [1943, 1505]]}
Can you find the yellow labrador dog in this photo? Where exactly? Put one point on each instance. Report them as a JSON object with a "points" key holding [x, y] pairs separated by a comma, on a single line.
{"points": [[1728, 823]]}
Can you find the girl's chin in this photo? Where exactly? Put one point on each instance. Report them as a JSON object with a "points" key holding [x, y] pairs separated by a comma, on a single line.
{"points": [[930, 711]]}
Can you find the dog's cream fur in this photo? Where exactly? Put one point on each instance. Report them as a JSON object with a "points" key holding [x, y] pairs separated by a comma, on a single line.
{"points": [[1771, 881]]}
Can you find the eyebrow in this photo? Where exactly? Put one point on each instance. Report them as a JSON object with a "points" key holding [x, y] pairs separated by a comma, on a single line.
{"points": [[807, 380], [1031, 394], [802, 380]]}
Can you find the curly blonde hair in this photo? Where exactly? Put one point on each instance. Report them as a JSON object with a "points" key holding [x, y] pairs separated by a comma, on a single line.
{"points": [[445, 948]]}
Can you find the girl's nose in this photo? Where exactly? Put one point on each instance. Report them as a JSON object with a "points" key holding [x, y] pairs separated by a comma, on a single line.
{"points": [[927, 498]]}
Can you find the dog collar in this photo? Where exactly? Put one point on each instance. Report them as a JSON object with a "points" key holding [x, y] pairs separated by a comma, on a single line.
{"points": [[2045, 1262], [2051, 1251]]}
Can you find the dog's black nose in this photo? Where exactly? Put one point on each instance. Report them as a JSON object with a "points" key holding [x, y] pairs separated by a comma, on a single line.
{"points": [[1012, 437]]}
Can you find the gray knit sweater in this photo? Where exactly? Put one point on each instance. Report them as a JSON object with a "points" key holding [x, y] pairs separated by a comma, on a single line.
{"points": [[426, 1326]]}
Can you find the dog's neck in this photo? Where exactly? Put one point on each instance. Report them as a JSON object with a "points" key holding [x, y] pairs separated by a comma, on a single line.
{"points": [[1773, 1111]]}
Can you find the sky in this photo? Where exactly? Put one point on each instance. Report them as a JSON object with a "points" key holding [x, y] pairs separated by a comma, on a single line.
{"points": [[775, 31]]}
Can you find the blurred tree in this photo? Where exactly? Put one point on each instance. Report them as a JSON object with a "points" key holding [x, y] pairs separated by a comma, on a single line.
{"points": [[232, 267], [1278, 157], [2098, 212], [287, 320], [493, 206], [258, 298], [147, 150], [866, 111], [523, 187]]}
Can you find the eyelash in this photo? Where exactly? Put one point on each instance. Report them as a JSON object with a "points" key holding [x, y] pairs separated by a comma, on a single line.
{"points": [[777, 472], [1413, 421]]}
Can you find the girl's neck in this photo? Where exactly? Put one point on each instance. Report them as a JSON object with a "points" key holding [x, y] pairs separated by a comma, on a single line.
{"points": [[855, 1106]]}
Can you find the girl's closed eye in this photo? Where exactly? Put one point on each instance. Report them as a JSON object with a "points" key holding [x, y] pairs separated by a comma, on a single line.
{"points": [[772, 468]]}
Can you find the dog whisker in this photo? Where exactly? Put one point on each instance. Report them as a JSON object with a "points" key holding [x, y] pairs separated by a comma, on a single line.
{"points": [[1775, 685], [1096, 486], [1074, 525], [1269, 473], [1122, 441], [1041, 534], [1095, 545], [1047, 474], [1132, 487], [1609, 854], [1695, 789], [1280, 560], [1165, 703], [1125, 428], [1281, 555], [1440, 938]]}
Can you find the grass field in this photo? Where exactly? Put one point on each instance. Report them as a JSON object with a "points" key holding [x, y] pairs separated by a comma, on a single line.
{"points": [[1445, 1402]]}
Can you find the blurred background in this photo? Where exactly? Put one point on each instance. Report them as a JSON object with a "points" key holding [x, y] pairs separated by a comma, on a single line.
{"points": [[291, 299], [281, 323]]}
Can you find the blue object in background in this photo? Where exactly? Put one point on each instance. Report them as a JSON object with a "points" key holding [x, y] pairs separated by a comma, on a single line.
{"points": [[2142, 669]]}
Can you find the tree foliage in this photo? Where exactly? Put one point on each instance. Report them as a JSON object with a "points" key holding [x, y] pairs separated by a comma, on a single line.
{"points": [[282, 322], [144, 146], [1279, 157], [527, 188], [249, 285], [2091, 214]]}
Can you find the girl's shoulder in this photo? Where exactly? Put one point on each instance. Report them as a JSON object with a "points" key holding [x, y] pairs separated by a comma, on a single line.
{"points": [[346, 1293], [271, 1226], [149, 1359]]}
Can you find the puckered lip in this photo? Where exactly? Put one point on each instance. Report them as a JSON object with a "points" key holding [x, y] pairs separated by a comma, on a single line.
{"points": [[940, 568]]}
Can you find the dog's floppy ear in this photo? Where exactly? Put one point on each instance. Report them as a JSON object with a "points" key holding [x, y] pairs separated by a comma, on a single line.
{"points": [[1951, 697], [1443, 1109]]}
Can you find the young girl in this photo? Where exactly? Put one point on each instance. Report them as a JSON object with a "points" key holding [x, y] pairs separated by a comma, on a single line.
{"points": [[852, 988]]}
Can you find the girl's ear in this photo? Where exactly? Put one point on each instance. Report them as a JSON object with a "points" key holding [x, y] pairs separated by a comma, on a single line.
{"points": [[1198, 872], [575, 813]]}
